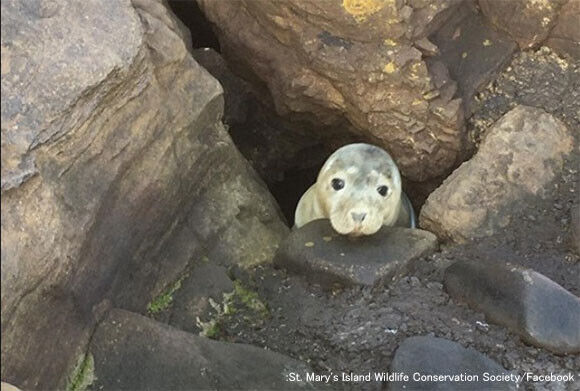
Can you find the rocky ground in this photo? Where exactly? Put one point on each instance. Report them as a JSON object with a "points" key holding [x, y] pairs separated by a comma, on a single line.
{"points": [[358, 330], [143, 176]]}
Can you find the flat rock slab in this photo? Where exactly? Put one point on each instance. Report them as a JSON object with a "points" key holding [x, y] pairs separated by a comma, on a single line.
{"points": [[133, 352], [437, 356], [327, 258], [530, 304]]}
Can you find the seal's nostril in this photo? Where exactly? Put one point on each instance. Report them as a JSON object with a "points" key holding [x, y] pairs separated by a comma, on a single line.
{"points": [[358, 217]]}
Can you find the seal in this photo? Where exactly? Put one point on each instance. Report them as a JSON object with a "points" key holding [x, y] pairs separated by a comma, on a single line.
{"points": [[359, 189]]}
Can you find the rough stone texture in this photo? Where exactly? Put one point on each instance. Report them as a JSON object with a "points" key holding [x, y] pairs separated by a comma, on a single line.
{"points": [[527, 21], [565, 36], [575, 229], [438, 356], [362, 61], [528, 303], [518, 156], [205, 283], [273, 144], [326, 258], [357, 330], [116, 173], [132, 352], [472, 52]]}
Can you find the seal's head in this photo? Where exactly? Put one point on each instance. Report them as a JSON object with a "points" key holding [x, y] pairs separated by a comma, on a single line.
{"points": [[359, 189]]}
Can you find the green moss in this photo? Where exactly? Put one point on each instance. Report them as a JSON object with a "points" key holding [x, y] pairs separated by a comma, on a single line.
{"points": [[250, 299], [248, 303], [165, 299], [83, 374], [211, 329], [229, 308]]}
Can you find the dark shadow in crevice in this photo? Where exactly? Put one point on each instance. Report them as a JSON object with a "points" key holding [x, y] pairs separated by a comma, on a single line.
{"points": [[201, 29]]}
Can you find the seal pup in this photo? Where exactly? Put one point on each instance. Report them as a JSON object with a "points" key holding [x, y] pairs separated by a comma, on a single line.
{"points": [[359, 190]]}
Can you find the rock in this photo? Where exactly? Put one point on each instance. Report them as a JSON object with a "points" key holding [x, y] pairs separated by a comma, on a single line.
{"points": [[325, 257], [116, 174], [132, 352], [565, 36], [284, 151], [353, 61], [575, 229], [193, 300], [271, 143], [517, 158], [473, 52], [424, 355], [530, 304], [528, 22]]}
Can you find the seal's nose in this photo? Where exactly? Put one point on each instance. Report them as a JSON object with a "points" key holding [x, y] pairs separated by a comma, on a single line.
{"points": [[358, 217]]}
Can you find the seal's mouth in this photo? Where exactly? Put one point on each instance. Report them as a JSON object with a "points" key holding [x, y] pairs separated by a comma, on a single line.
{"points": [[355, 231]]}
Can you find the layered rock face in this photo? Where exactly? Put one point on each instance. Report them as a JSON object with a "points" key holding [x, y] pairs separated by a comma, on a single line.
{"points": [[402, 73], [359, 60], [117, 173]]}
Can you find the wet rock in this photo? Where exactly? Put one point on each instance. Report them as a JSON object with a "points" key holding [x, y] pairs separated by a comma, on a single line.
{"points": [[528, 22], [530, 304], [565, 36], [116, 173], [472, 51], [132, 352], [517, 158], [326, 258], [350, 60], [424, 355]]}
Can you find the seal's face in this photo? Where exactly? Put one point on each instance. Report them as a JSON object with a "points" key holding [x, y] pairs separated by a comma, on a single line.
{"points": [[359, 189]]}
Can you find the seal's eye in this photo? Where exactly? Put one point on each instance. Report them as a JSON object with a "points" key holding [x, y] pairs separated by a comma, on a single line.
{"points": [[337, 184], [383, 190]]}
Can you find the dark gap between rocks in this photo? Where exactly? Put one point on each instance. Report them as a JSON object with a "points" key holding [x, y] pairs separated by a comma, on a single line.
{"points": [[289, 190], [202, 34]]}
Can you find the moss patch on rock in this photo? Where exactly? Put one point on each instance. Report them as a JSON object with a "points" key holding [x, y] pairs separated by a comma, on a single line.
{"points": [[250, 299], [242, 302], [83, 374], [165, 299]]}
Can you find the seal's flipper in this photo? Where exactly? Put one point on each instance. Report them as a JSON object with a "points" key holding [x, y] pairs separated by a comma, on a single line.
{"points": [[410, 211]]}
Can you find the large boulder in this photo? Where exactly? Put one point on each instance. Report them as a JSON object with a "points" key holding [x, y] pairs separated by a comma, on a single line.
{"points": [[522, 153], [472, 53], [542, 312], [420, 359], [116, 174], [528, 22], [565, 36], [132, 352], [363, 61]]}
